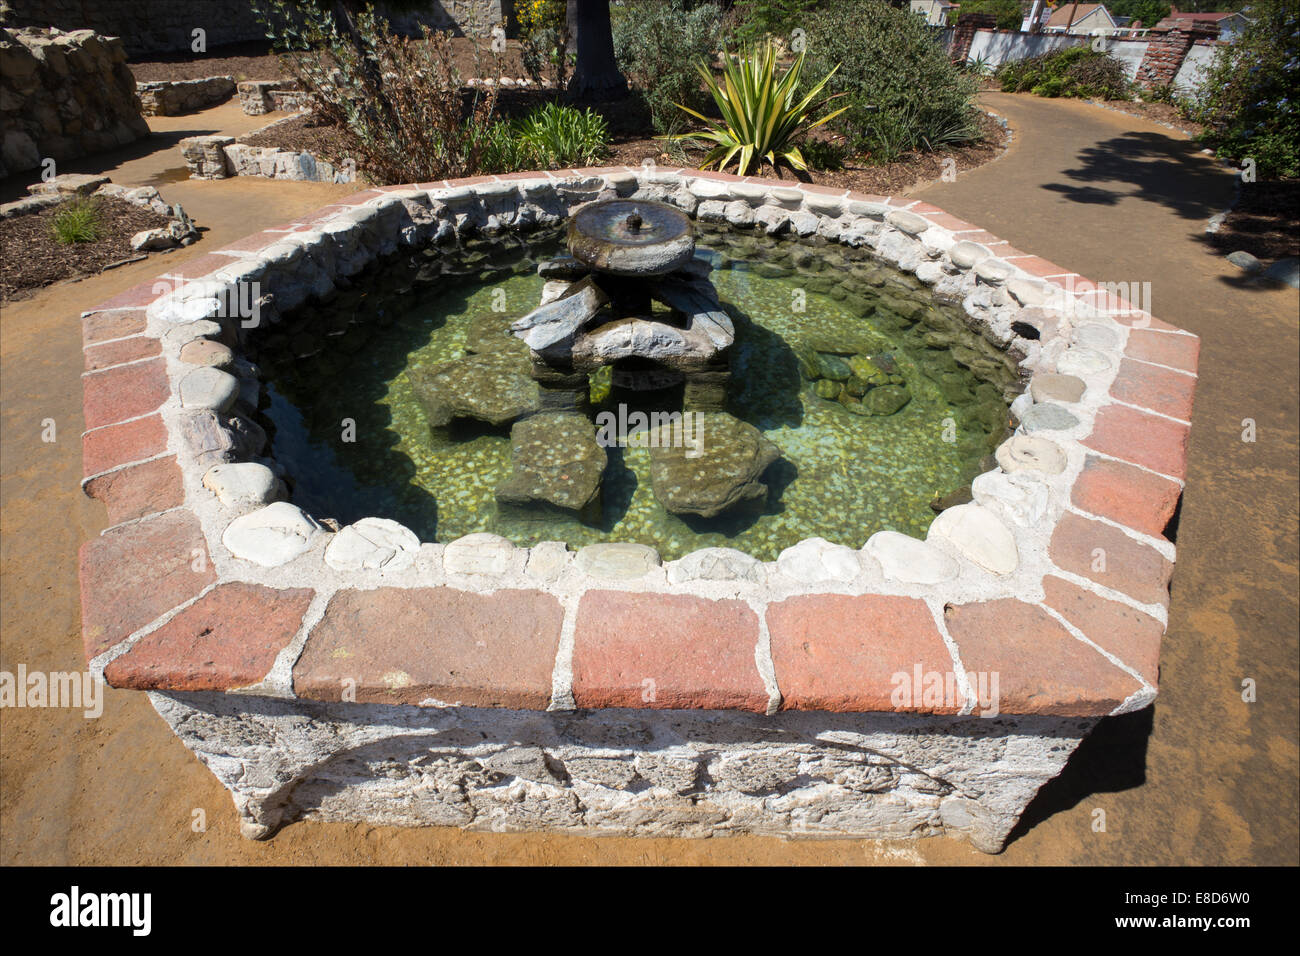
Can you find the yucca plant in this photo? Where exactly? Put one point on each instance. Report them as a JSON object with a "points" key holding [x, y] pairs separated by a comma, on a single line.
{"points": [[762, 114]]}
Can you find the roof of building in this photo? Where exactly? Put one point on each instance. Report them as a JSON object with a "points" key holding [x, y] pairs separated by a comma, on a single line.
{"points": [[1061, 15]]}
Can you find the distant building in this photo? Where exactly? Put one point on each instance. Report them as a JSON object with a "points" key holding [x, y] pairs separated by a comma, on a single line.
{"points": [[1230, 24], [1081, 19], [937, 13]]}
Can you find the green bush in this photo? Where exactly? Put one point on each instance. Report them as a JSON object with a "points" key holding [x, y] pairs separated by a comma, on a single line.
{"points": [[657, 43], [901, 90], [761, 18], [1007, 13], [1078, 71], [77, 220], [550, 137], [1247, 100]]}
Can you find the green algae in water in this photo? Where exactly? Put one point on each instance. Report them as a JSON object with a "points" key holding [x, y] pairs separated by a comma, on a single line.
{"points": [[355, 442]]}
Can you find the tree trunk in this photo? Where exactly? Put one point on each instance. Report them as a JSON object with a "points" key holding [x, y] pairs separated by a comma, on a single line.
{"points": [[596, 76]]}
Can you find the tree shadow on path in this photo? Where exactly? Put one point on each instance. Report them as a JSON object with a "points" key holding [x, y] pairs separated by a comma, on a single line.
{"points": [[1151, 167]]}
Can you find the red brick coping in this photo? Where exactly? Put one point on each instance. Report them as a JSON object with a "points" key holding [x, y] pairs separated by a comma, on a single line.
{"points": [[1072, 629]]}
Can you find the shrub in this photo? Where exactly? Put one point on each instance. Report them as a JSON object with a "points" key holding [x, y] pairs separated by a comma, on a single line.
{"points": [[1247, 99], [763, 116], [657, 43], [77, 220], [1077, 71], [550, 137], [901, 89], [758, 19], [544, 40], [1007, 13], [399, 105]]}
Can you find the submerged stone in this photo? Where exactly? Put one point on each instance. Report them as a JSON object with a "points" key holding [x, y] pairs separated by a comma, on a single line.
{"points": [[719, 470], [494, 387], [887, 399], [556, 461]]}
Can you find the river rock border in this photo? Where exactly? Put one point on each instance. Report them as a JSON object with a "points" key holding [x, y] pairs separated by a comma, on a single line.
{"points": [[211, 592]]}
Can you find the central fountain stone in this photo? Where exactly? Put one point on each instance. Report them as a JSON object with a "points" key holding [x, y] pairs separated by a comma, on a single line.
{"points": [[598, 310]]}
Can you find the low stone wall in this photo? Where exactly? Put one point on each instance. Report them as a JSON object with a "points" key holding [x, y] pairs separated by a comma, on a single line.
{"points": [[63, 96], [174, 97], [359, 673], [219, 157], [267, 96]]}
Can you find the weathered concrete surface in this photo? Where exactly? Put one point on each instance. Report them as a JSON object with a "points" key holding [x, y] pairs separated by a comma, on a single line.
{"points": [[1214, 782]]}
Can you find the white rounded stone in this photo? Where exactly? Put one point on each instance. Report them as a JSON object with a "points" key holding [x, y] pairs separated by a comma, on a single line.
{"points": [[909, 559], [547, 560], [617, 559], [908, 222], [1026, 453], [244, 483], [209, 387], [992, 271], [1027, 292], [816, 559], [979, 536], [373, 544], [1095, 336], [1021, 404], [1082, 362], [479, 553], [715, 564], [966, 253], [271, 536], [1024, 498]]}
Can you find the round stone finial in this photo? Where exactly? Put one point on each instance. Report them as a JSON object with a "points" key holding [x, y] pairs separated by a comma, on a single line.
{"points": [[631, 237]]}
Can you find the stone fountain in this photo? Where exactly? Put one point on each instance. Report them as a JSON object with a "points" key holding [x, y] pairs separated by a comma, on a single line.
{"points": [[624, 255], [598, 310]]}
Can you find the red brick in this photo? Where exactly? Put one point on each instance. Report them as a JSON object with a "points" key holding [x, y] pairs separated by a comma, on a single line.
{"points": [[718, 176], [360, 198], [479, 180], [1038, 266], [666, 651], [140, 490], [926, 209], [506, 178], [1041, 667], [256, 242], [116, 445], [1159, 389], [1132, 568], [133, 574], [593, 171], [1164, 348], [136, 297], [868, 197], [124, 392], [1118, 629], [200, 266], [1148, 440], [125, 350], [102, 326], [1128, 495], [815, 190], [947, 221], [841, 653], [402, 646], [228, 638]]}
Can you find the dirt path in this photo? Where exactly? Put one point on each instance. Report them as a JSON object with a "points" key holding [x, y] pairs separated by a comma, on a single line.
{"points": [[1201, 778]]}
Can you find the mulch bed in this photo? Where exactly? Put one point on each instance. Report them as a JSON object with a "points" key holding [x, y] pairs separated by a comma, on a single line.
{"points": [[33, 258], [255, 61], [1265, 222], [1165, 113]]}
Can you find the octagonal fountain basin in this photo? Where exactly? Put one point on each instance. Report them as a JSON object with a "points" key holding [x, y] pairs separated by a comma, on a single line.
{"points": [[853, 405], [395, 534]]}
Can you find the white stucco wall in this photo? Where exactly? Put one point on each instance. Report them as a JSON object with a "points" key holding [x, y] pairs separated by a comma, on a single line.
{"points": [[1001, 47], [1193, 67]]}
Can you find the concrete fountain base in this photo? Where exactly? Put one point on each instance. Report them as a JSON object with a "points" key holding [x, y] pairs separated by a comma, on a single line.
{"points": [[624, 772]]}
